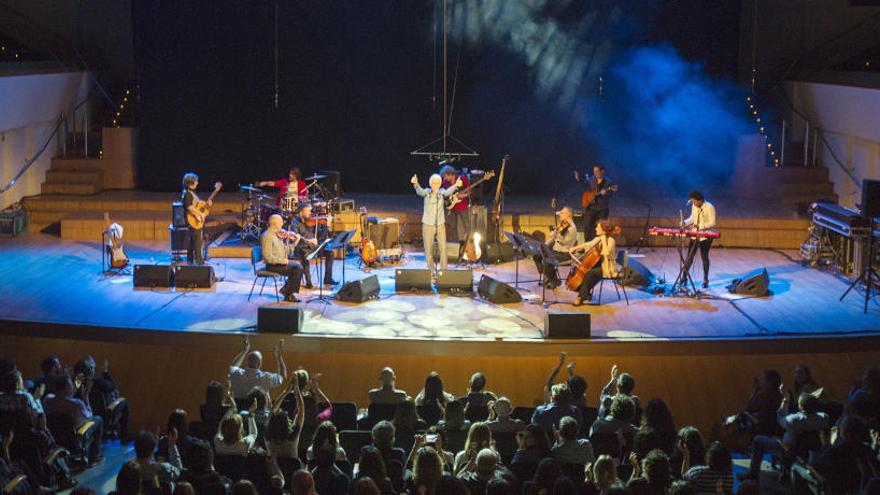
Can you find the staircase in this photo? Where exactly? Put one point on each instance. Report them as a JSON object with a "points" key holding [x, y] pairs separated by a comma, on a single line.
{"points": [[799, 184], [75, 173]]}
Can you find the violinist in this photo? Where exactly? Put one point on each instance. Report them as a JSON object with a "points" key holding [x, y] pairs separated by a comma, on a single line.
{"points": [[275, 255], [606, 266], [306, 226], [561, 240]]}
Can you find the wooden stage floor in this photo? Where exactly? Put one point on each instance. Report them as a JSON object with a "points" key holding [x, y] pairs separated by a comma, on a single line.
{"points": [[49, 280]]}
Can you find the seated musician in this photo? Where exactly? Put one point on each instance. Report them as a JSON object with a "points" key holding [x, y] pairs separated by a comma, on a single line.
{"points": [[303, 225], [561, 240], [606, 266], [275, 255], [702, 218], [292, 185]]}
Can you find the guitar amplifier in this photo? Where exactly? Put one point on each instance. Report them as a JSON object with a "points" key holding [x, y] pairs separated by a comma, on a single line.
{"points": [[179, 237], [385, 234], [178, 214]]}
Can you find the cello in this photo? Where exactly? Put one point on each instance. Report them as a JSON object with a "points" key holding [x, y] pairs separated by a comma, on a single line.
{"points": [[576, 276]]}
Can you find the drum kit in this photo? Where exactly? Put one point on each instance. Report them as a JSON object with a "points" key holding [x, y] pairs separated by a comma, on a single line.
{"points": [[257, 207]]}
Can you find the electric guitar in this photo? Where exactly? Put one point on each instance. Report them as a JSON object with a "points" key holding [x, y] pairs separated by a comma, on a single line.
{"points": [[455, 199], [118, 259], [203, 208]]}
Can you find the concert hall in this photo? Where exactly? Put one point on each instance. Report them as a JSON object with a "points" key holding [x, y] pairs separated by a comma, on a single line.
{"points": [[428, 247]]}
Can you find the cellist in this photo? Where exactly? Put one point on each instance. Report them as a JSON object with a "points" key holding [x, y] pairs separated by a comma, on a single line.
{"points": [[606, 266]]}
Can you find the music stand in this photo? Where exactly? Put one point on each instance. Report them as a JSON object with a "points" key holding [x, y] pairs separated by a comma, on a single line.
{"points": [[311, 256], [519, 248], [547, 259], [341, 242]]}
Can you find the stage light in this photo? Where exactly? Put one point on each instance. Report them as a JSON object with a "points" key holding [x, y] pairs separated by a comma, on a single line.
{"points": [[762, 129], [748, 98], [772, 153], [758, 120], [769, 145]]}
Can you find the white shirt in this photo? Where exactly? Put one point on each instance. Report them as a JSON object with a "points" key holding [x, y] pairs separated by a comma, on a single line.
{"points": [[243, 380], [703, 216]]}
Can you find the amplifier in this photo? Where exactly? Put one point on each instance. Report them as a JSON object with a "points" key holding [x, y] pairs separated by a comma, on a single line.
{"points": [[385, 234], [413, 279], [455, 281], [151, 276]]}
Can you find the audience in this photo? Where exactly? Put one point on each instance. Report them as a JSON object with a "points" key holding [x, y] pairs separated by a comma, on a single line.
{"points": [[387, 393], [383, 436], [718, 465], [406, 417], [178, 421], [569, 449], [427, 468], [477, 396], [804, 382], [215, 406], [453, 417], [499, 417], [689, 443], [653, 477], [243, 380], [372, 466], [549, 414], [201, 474], [63, 403], [231, 438], [533, 446], [433, 394], [600, 476], [619, 418], [329, 479], [622, 385], [145, 448], [109, 395], [326, 438], [759, 415], [479, 438], [576, 383], [656, 415], [303, 483]]}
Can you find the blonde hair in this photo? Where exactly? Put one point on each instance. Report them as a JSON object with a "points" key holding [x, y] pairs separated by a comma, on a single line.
{"points": [[232, 429], [605, 471], [435, 178]]}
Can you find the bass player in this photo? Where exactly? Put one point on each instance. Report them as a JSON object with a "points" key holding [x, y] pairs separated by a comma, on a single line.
{"points": [[598, 208], [458, 225], [606, 267]]}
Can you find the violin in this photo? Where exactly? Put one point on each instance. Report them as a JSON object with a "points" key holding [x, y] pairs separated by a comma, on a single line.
{"points": [[318, 220], [561, 229], [288, 235]]}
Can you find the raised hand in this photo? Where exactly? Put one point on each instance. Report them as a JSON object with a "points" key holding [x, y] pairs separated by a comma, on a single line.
{"points": [[247, 344], [614, 371], [458, 183], [577, 176], [562, 356], [415, 179], [279, 347]]}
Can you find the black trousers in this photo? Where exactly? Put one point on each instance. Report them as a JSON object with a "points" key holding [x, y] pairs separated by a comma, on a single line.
{"points": [[592, 215], [328, 266], [703, 246], [293, 271], [591, 279], [195, 247], [550, 270]]}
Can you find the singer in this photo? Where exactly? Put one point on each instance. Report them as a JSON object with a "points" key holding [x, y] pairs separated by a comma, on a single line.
{"points": [[702, 218]]}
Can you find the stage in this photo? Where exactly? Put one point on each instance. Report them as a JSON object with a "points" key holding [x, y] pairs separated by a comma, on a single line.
{"points": [[58, 281]]}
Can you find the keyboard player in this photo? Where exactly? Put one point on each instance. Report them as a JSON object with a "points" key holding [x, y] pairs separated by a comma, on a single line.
{"points": [[702, 218]]}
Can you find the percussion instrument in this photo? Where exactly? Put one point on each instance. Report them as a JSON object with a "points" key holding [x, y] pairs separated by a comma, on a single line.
{"points": [[289, 202], [316, 177], [247, 188]]}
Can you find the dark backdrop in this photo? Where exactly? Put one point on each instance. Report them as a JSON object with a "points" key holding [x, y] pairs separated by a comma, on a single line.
{"points": [[358, 92]]}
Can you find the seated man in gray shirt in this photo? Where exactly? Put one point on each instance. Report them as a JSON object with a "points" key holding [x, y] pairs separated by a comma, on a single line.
{"points": [[275, 255], [387, 393], [561, 240]]}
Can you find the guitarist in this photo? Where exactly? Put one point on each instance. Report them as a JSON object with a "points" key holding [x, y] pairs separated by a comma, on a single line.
{"points": [[598, 208], [194, 248], [458, 225]]}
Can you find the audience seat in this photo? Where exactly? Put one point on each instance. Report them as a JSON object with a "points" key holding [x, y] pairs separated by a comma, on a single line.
{"points": [[68, 436], [352, 441], [477, 413], [396, 473], [379, 412], [111, 413], [344, 415], [430, 414]]}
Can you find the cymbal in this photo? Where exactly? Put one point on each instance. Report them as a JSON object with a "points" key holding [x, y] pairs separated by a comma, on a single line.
{"points": [[245, 187], [316, 177]]}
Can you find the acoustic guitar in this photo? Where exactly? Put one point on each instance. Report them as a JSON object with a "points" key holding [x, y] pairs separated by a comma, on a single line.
{"points": [[118, 259], [203, 208], [589, 195]]}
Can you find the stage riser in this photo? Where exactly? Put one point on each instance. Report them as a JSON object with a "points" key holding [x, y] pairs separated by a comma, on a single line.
{"points": [[701, 382]]}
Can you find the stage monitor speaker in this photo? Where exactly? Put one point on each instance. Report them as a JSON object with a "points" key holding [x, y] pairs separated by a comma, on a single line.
{"points": [[455, 281], [871, 198], [194, 276], [359, 290], [279, 319], [178, 215], [633, 273], [498, 252], [414, 279], [496, 291], [567, 325], [152, 276], [385, 234], [754, 283]]}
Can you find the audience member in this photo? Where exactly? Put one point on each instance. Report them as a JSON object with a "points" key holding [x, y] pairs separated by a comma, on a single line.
{"points": [[200, 472], [759, 415], [546, 474], [620, 418], [453, 417], [14, 399], [326, 437], [450, 485], [329, 479], [549, 414], [231, 438], [656, 415], [533, 446], [499, 417], [387, 393], [215, 406], [427, 468], [128, 481], [486, 467], [645, 440], [689, 443], [318, 407], [500, 486], [105, 386], [243, 487], [30, 441], [653, 476], [383, 435], [78, 411], [600, 476], [569, 449], [245, 379], [576, 383], [719, 466], [365, 486], [372, 466], [477, 396], [846, 460], [804, 382], [479, 438], [51, 367], [406, 417], [145, 448], [564, 486], [302, 483], [867, 392], [178, 421], [433, 394], [624, 384]]}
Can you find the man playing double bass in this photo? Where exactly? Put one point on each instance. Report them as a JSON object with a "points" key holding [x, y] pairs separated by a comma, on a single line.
{"points": [[598, 208]]}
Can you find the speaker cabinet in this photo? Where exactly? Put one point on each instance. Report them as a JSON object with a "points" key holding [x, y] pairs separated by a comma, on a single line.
{"points": [[498, 252], [359, 290], [152, 276], [567, 325], [754, 283], [871, 198], [633, 273], [194, 276], [178, 215], [385, 234], [412, 280], [496, 291], [455, 281], [279, 319]]}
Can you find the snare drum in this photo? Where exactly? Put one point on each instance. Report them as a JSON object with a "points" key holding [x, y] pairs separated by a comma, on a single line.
{"points": [[289, 203]]}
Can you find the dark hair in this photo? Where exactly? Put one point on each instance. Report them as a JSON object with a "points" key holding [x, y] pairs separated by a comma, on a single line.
{"points": [[718, 457], [128, 481], [427, 469], [547, 472], [243, 487], [434, 389], [214, 393], [773, 378], [478, 382], [301, 482], [695, 195], [383, 435], [365, 486], [296, 173], [499, 486], [179, 420], [405, 415], [693, 441], [578, 386], [450, 485], [201, 457], [560, 393], [278, 427], [144, 444], [189, 179], [260, 395], [49, 363], [453, 415], [656, 414], [539, 435], [372, 464], [86, 367], [656, 469], [646, 440], [622, 408], [599, 166], [326, 432], [564, 486], [626, 383], [568, 428]]}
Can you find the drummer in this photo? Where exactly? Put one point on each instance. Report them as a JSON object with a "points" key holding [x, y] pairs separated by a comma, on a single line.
{"points": [[293, 185], [307, 226]]}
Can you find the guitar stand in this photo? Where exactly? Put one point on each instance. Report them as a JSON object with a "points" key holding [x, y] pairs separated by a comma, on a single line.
{"points": [[106, 269], [320, 269]]}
